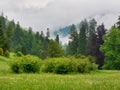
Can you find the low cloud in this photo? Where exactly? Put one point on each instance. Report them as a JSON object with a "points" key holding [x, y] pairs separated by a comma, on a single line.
{"points": [[41, 14]]}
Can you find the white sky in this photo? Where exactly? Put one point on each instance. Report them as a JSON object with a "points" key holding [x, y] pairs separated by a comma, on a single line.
{"points": [[40, 14]]}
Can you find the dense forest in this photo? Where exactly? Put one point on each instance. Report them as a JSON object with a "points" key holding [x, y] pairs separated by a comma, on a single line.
{"points": [[91, 40], [14, 38]]}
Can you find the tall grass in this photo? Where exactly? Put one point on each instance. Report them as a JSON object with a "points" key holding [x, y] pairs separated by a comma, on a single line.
{"points": [[4, 68], [99, 81]]}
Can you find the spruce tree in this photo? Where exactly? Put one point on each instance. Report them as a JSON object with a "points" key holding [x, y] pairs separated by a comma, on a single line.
{"points": [[9, 33], [82, 41], [99, 55], [73, 44], [2, 33], [118, 23], [91, 37], [57, 39], [54, 49]]}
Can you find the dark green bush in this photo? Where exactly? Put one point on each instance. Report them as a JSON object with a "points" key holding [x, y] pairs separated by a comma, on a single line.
{"points": [[84, 66], [48, 66], [94, 67], [62, 66], [7, 53], [58, 65], [25, 64], [66, 65], [79, 56], [19, 54], [1, 51], [91, 59]]}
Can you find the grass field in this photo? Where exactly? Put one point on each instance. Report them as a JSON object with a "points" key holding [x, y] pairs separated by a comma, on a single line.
{"points": [[99, 80]]}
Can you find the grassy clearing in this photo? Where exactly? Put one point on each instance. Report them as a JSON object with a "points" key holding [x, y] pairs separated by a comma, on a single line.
{"points": [[4, 68], [105, 80], [99, 80]]}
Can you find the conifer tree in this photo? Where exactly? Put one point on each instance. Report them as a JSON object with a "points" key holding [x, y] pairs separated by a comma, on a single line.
{"points": [[99, 55], [92, 37], [82, 43], [118, 23], [2, 33], [57, 39], [54, 49], [73, 44]]}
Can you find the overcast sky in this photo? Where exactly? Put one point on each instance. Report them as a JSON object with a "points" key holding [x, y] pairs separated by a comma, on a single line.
{"points": [[40, 14]]}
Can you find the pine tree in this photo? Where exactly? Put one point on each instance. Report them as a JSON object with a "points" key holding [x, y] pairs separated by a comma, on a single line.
{"points": [[57, 39], [37, 36], [2, 33], [118, 23], [17, 37], [45, 43], [99, 55], [73, 44], [83, 38], [55, 49], [9, 33], [48, 33], [42, 36], [92, 37]]}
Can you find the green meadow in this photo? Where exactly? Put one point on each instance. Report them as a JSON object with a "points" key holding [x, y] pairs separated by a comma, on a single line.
{"points": [[96, 80]]}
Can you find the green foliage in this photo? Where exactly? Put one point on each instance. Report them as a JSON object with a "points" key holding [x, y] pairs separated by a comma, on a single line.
{"points": [[48, 66], [66, 65], [84, 66], [7, 53], [111, 48], [73, 44], [80, 56], [1, 51], [54, 49], [19, 54], [82, 40], [57, 39], [118, 23], [94, 67], [25, 64], [91, 59]]}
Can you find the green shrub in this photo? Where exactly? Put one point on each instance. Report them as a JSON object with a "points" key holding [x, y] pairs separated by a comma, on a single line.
{"points": [[91, 59], [66, 65], [84, 66], [48, 66], [79, 56], [19, 54], [62, 66], [94, 67], [59, 65], [25, 64], [7, 53], [1, 51]]}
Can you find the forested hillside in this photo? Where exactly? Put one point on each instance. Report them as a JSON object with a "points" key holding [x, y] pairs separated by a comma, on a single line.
{"points": [[14, 38], [87, 40]]}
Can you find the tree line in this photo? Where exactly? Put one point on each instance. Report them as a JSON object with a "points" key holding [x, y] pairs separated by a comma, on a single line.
{"points": [[14, 38], [89, 40], [96, 41]]}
